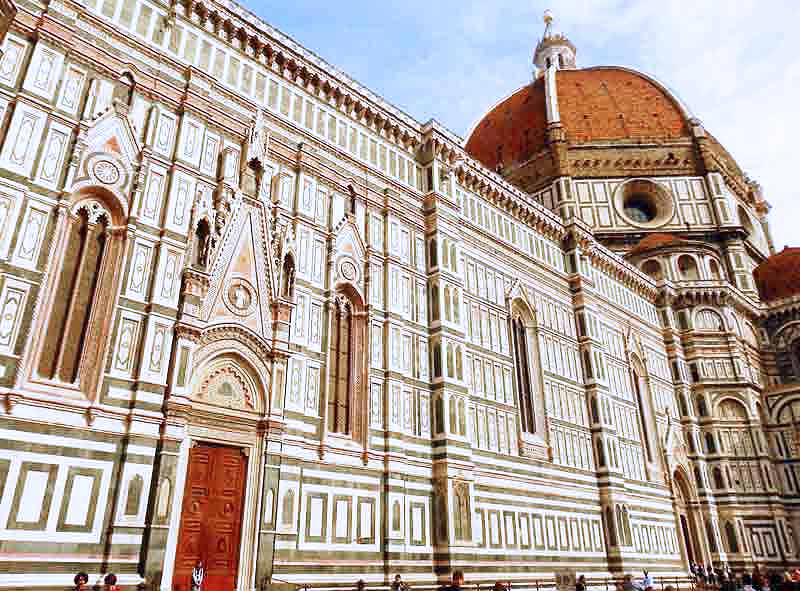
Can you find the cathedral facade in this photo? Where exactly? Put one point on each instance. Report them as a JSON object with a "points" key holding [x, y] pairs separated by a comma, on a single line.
{"points": [[254, 316]]}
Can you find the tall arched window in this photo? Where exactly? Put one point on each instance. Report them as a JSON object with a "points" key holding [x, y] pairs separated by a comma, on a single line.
{"points": [[341, 366], [714, 269], [712, 539], [711, 447], [702, 407], [646, 412], [610, 526], [396, 516], [525, 376], [83, 294]]}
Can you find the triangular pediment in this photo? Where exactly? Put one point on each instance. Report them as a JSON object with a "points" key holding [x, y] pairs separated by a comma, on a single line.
{"points": [[113, 133], [349, 241], [517, 292]]}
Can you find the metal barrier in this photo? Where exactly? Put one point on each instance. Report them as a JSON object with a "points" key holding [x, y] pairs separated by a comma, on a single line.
{"points": [[596, 584]]}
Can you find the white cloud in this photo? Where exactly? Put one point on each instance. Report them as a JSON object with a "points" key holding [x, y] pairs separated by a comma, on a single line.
{"points": [[735, 63]]}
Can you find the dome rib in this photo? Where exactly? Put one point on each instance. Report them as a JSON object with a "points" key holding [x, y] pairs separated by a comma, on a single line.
{"points": [[595, 104]]}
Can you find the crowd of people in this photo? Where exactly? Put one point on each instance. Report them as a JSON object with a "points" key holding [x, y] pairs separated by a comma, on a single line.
{"points": [[757, 580], [704, 576]]}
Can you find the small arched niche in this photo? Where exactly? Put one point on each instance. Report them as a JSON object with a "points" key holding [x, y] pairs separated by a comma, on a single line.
{"points": [[653, 268], [714, 269], [687, 268]]}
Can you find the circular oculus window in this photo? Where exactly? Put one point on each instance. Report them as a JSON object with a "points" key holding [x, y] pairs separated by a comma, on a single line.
{"points": [[644, 204]]}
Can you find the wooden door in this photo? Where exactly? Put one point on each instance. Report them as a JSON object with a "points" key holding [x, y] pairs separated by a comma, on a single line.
{"points": [[211, 518]]}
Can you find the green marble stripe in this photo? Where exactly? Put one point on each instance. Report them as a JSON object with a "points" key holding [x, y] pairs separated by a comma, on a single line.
{"points": [[71, 452], [524, 490], [336, 483], [128, 404], [133, 385], [61, 548], [69, 567], [540, 502], [70, 432]]}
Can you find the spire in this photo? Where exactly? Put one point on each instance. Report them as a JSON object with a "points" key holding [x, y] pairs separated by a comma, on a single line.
{"points": [[554, 49]]}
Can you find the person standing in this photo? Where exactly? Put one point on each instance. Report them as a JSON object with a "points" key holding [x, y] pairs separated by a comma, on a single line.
{"points": [[580, 584]]}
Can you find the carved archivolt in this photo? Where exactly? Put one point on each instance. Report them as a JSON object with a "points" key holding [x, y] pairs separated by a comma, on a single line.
{"points": [[226, 384], [231, 372]]}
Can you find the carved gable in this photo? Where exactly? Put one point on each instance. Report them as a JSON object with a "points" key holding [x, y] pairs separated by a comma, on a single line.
{"points": [[240, 290], [109, 154], [349, 255]]}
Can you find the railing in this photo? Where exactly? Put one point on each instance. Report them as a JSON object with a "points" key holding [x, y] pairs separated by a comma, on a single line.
{"points": [[592, 584]]}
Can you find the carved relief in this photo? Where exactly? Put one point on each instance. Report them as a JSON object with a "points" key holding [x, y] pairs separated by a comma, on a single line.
{"points": [[32, 234], [227, 386], [53, 155], [165, 134], [12, 304], [127, 339], [11, 61], [71, 90], [240, 297]]}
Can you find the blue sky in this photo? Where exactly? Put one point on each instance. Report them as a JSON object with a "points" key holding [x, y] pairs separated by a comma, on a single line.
{"points": [[735, 63]]}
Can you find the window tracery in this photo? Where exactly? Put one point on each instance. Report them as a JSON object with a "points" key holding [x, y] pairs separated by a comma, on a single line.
{"points": [[87, 269]]}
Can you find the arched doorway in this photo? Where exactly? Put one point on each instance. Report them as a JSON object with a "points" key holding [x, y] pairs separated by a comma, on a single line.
{"points": [[219, 482], [685, 521]]}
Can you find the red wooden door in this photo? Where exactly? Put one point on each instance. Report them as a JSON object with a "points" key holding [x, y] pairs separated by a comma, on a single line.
{"points": [[211, 518]]}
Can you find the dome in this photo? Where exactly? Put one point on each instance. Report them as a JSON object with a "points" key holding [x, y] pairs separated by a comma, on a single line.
{"points": [[779, 276], [657, 240], [602, 104]]}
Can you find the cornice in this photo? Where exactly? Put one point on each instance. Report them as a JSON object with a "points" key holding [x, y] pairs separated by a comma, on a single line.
{"points": [[610, 262], [781, 307], [250, 34], [475, 177]]}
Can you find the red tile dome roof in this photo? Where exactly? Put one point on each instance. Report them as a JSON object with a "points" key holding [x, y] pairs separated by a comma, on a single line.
{"points": [[595, 104], [513, 130], [656, 240], [779, 276]]}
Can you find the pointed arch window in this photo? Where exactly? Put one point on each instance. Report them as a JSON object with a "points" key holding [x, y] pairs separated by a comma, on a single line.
{"points": [[85, 281], [645, 412], [345, 395], [341, 361], [524, 375]]}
